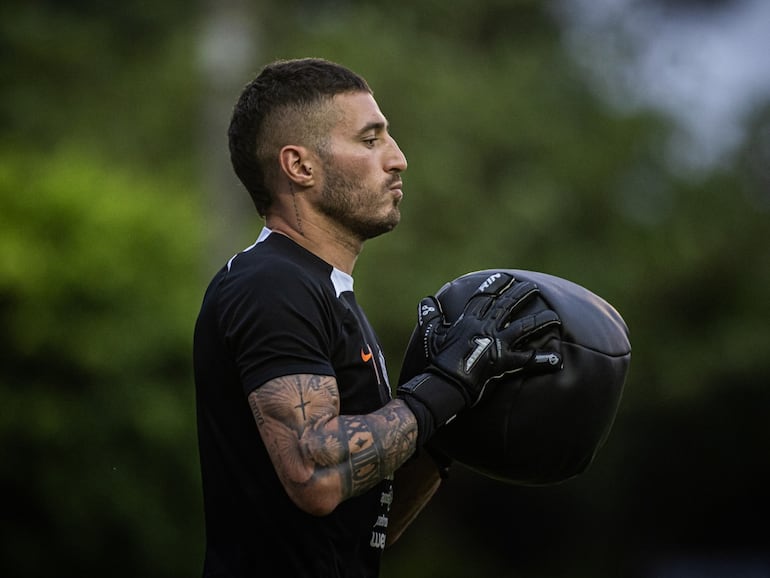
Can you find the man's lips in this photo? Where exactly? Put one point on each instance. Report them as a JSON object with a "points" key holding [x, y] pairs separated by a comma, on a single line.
{"points": [[397, 187]]}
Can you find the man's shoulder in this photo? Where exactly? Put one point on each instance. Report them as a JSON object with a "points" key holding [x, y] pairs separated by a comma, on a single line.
{"points": [[263, 258], [277, 253], [275, 267]]}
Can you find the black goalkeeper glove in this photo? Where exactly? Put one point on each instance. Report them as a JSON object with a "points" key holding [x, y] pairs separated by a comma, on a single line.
{"points": [[487, 341]]}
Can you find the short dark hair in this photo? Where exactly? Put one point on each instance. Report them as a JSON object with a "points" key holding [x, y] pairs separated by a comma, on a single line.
{"points": [[283, 105]]}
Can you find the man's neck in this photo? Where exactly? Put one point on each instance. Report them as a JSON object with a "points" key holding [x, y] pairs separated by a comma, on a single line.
{"points": [[321, 238]]}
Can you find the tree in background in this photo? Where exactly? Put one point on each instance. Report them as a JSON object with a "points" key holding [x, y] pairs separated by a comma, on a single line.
{"points": [[100, 242]]}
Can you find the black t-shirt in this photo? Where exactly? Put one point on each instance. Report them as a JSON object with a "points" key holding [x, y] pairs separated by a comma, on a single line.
{"points": [[276, 309]]}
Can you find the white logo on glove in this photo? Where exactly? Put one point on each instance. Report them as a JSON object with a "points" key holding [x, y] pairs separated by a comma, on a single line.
{"points": [[425, 310], [488, 282], [482, 344]]}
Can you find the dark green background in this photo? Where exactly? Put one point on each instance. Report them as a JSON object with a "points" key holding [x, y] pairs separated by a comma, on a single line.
{"points": [[117, 204]]}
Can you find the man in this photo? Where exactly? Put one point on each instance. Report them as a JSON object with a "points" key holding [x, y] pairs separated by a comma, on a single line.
{"points": [[300, 440]]}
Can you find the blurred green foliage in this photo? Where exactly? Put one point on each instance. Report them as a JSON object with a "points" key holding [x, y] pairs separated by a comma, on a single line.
{"points": [[98, 287], [105, 232]]}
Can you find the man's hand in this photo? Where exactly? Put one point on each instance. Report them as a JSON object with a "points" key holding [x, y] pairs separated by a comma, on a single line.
{"points": [[489, 340]]}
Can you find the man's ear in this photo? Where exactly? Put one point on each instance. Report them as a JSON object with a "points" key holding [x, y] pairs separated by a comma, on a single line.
{"points": [[298, 163]]}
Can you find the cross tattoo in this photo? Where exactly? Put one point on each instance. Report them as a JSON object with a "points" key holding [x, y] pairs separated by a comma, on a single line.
{"points": [[301, 405]]}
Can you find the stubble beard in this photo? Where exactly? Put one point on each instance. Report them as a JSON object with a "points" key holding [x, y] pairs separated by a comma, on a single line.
{"points": [[344, 200]]}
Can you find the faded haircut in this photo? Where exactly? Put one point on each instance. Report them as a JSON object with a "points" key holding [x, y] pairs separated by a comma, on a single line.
{"points": [[289, 102]]}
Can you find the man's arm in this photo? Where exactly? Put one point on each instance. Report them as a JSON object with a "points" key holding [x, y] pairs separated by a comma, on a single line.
{"points": [[323, 458], [320, 456]]}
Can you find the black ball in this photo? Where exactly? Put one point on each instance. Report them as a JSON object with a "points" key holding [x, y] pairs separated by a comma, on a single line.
{"points": [[539, 429]]}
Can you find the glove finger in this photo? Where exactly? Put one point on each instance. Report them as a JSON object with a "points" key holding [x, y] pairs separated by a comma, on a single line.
{"points": [[429, 311], [495, 284], [519, 330], [502, 304], [513, 361], [533, 362], [544, 362], [512, 300]]}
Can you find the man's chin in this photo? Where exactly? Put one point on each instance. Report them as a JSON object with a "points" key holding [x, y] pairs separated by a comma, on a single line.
{"points": [[385, 226], [393, 221]]}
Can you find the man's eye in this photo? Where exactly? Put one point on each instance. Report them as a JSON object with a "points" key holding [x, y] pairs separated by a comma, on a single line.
{"points": [[370, 141]]}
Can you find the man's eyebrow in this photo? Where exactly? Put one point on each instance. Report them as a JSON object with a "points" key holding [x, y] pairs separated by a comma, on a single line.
{"points": [[377, 126]]}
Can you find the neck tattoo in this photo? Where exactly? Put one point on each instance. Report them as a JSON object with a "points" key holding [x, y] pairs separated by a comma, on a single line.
{"points": [[296, 209]]}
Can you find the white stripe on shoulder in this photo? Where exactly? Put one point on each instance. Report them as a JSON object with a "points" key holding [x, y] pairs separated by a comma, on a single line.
{"points": [[342, 281], [263, 234]]}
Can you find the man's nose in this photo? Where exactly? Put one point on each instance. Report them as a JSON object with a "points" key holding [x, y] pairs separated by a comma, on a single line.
{"points": [[396, 161]]}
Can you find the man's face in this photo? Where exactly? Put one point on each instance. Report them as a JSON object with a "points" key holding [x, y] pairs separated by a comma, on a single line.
{"points": [[362, 169]]}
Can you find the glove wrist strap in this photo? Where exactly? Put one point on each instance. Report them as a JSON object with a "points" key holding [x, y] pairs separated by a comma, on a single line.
{"points": [[434, 400]]}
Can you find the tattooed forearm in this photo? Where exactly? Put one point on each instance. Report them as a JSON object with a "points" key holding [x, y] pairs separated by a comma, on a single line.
{"points": [[365, 455], [379, 443], [312, 446]]}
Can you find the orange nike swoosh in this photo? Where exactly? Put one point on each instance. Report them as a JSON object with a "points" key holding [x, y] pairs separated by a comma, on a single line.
{"points": [[366, 356]]}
